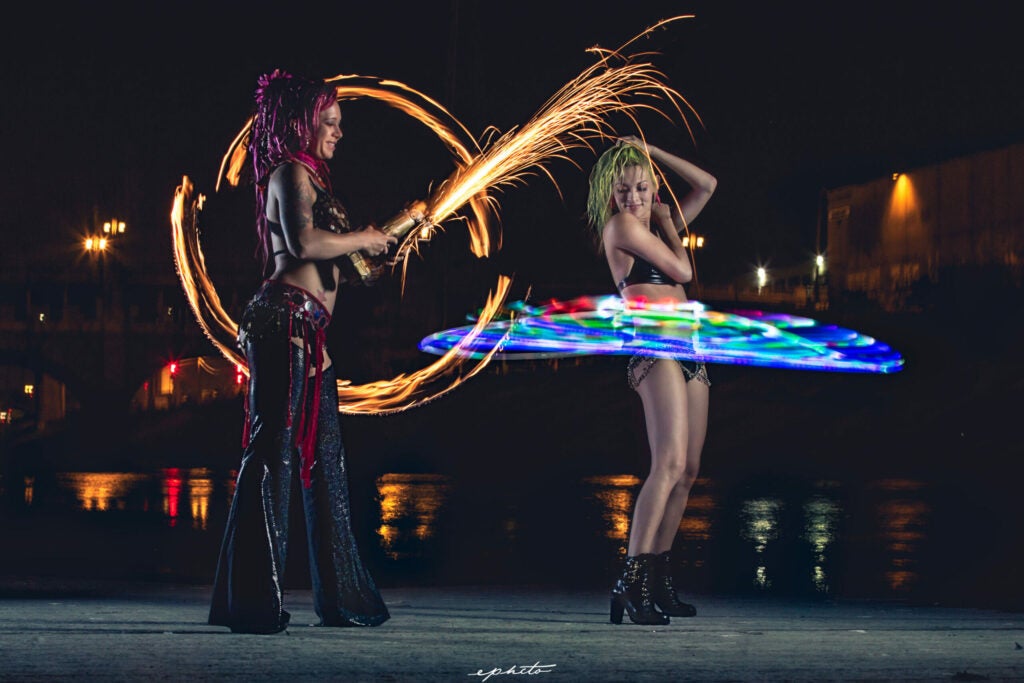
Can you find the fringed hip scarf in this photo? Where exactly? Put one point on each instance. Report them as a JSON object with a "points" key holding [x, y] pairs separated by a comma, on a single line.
{"points": [[276, 309]]}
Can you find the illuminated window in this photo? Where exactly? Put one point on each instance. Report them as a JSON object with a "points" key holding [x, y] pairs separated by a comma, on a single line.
{"points": [[166, 385]]}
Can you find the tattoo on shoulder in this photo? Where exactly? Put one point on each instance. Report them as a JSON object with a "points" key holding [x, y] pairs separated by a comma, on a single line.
{"points": [[303, 197]]}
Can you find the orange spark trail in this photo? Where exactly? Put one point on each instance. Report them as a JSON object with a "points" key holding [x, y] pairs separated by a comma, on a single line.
{"points": [[573, 118], [202, 296]]}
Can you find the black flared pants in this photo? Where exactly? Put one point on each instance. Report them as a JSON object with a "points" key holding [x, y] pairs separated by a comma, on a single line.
{"points": [[247, 593]]}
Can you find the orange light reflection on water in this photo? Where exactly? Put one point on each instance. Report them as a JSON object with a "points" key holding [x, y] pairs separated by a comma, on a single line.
{"points": [[200, 489], [107, 491], [615, 492], [101, 491], [696, 522], [903, 521], [409, 506]]}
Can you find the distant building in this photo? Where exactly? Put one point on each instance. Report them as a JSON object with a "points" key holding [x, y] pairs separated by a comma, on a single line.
{"points": [[928, 230]]}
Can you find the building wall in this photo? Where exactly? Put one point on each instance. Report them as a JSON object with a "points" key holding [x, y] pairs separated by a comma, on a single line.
{"points": [[887, 236]]}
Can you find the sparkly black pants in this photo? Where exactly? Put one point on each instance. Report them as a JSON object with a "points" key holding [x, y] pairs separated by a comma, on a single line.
{"points": [[247, 593]]}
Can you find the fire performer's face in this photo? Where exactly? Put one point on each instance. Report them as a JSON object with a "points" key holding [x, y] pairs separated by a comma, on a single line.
{"points": [[634, 192], [328, 132]]}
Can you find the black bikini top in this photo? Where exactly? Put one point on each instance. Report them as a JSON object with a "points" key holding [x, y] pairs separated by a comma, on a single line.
{"points": [[644, 272], [328, 214]]}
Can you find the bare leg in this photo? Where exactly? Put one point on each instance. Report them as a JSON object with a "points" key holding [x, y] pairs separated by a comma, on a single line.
{"points": [[664, 396], [697, 420]]}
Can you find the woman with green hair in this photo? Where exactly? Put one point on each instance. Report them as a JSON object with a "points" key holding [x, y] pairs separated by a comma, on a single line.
{"points": [[640, 237]]}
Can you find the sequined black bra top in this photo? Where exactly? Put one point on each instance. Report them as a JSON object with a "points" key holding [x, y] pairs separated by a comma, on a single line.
{"points": [[644, 272], [328, 214]]}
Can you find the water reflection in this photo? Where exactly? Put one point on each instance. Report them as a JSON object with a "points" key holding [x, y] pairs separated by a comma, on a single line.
{"points": [[101, 491], [821, 514], [700, 509], [615, 492], [760, 525], [903, 522], [171, 492], [785, 536], [200, 490], [124, 491], [409, 505], [198, 483]]}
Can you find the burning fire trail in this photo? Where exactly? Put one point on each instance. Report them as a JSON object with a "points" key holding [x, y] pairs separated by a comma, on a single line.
{"points": [[573, 118], [202, 296], [379, 397], [406, 391], [410, 102]]}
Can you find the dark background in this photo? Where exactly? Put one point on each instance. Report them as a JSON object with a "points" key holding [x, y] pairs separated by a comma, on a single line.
{"points": [[107, 105]]}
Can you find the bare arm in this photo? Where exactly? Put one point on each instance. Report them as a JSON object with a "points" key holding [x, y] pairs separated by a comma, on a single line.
{"points": [[702, 184], [667, 254], [292, 194]]}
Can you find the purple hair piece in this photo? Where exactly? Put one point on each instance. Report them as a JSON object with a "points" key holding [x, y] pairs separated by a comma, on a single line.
{"points": [[286, 119]]}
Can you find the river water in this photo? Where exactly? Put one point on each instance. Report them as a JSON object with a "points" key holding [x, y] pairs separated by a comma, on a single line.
{"points": [[891, 539], [902, 487]]}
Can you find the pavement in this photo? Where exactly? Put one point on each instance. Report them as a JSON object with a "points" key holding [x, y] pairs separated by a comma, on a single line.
{"points": [[117, 631]]}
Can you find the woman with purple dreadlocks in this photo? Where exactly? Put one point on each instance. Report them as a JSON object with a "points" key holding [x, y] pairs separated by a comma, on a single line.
{"points": [[292, 428]]}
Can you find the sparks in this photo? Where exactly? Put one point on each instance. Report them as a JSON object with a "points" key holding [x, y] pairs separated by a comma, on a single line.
{"points": [[574, 117]]}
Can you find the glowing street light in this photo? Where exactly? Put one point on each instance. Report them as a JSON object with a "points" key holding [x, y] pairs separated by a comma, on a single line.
{"points": [[99, 243], [96, 243], [762, 278], [114, 227], [819, 263]]}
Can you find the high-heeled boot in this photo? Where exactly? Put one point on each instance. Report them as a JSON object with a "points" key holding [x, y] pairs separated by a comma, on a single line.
{"points": [[663, 591], [632, 593]]}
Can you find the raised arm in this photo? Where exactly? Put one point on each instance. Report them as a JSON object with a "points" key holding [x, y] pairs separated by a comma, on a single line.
{"points": [[702, 184], [626, 233], [292, 195]]}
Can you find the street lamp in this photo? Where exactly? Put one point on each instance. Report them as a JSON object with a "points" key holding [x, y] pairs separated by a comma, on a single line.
{"points": [[762, 278], [111, 228], [114, 227], [96, 243]]}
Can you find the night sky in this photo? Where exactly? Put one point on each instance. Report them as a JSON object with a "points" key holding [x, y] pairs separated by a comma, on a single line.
{"points": [[106, 106]]}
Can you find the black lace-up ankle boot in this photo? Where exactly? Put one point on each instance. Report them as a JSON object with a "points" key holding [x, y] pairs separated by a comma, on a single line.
{"points": [[663, 591], [632, 593]]}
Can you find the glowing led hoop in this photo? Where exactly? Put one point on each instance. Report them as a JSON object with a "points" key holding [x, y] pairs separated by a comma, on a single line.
{"points": [[690, 331]]}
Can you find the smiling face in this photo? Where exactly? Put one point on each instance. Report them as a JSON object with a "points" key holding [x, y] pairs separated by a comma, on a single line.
{"points": [[328, 132], [633, 192]]}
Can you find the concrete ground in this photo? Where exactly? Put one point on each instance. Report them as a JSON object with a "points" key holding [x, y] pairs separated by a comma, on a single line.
{"points": [[89, 630]]}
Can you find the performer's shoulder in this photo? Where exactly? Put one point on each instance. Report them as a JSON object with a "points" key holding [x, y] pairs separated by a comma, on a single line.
{"points": [[622, 225]]}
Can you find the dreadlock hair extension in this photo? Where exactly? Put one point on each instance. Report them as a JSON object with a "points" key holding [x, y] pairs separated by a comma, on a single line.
{"points": [[606, 172], [286, 119]]}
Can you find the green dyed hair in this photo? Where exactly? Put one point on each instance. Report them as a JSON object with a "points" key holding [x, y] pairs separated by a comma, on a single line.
{"points": [[604, 175]]}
